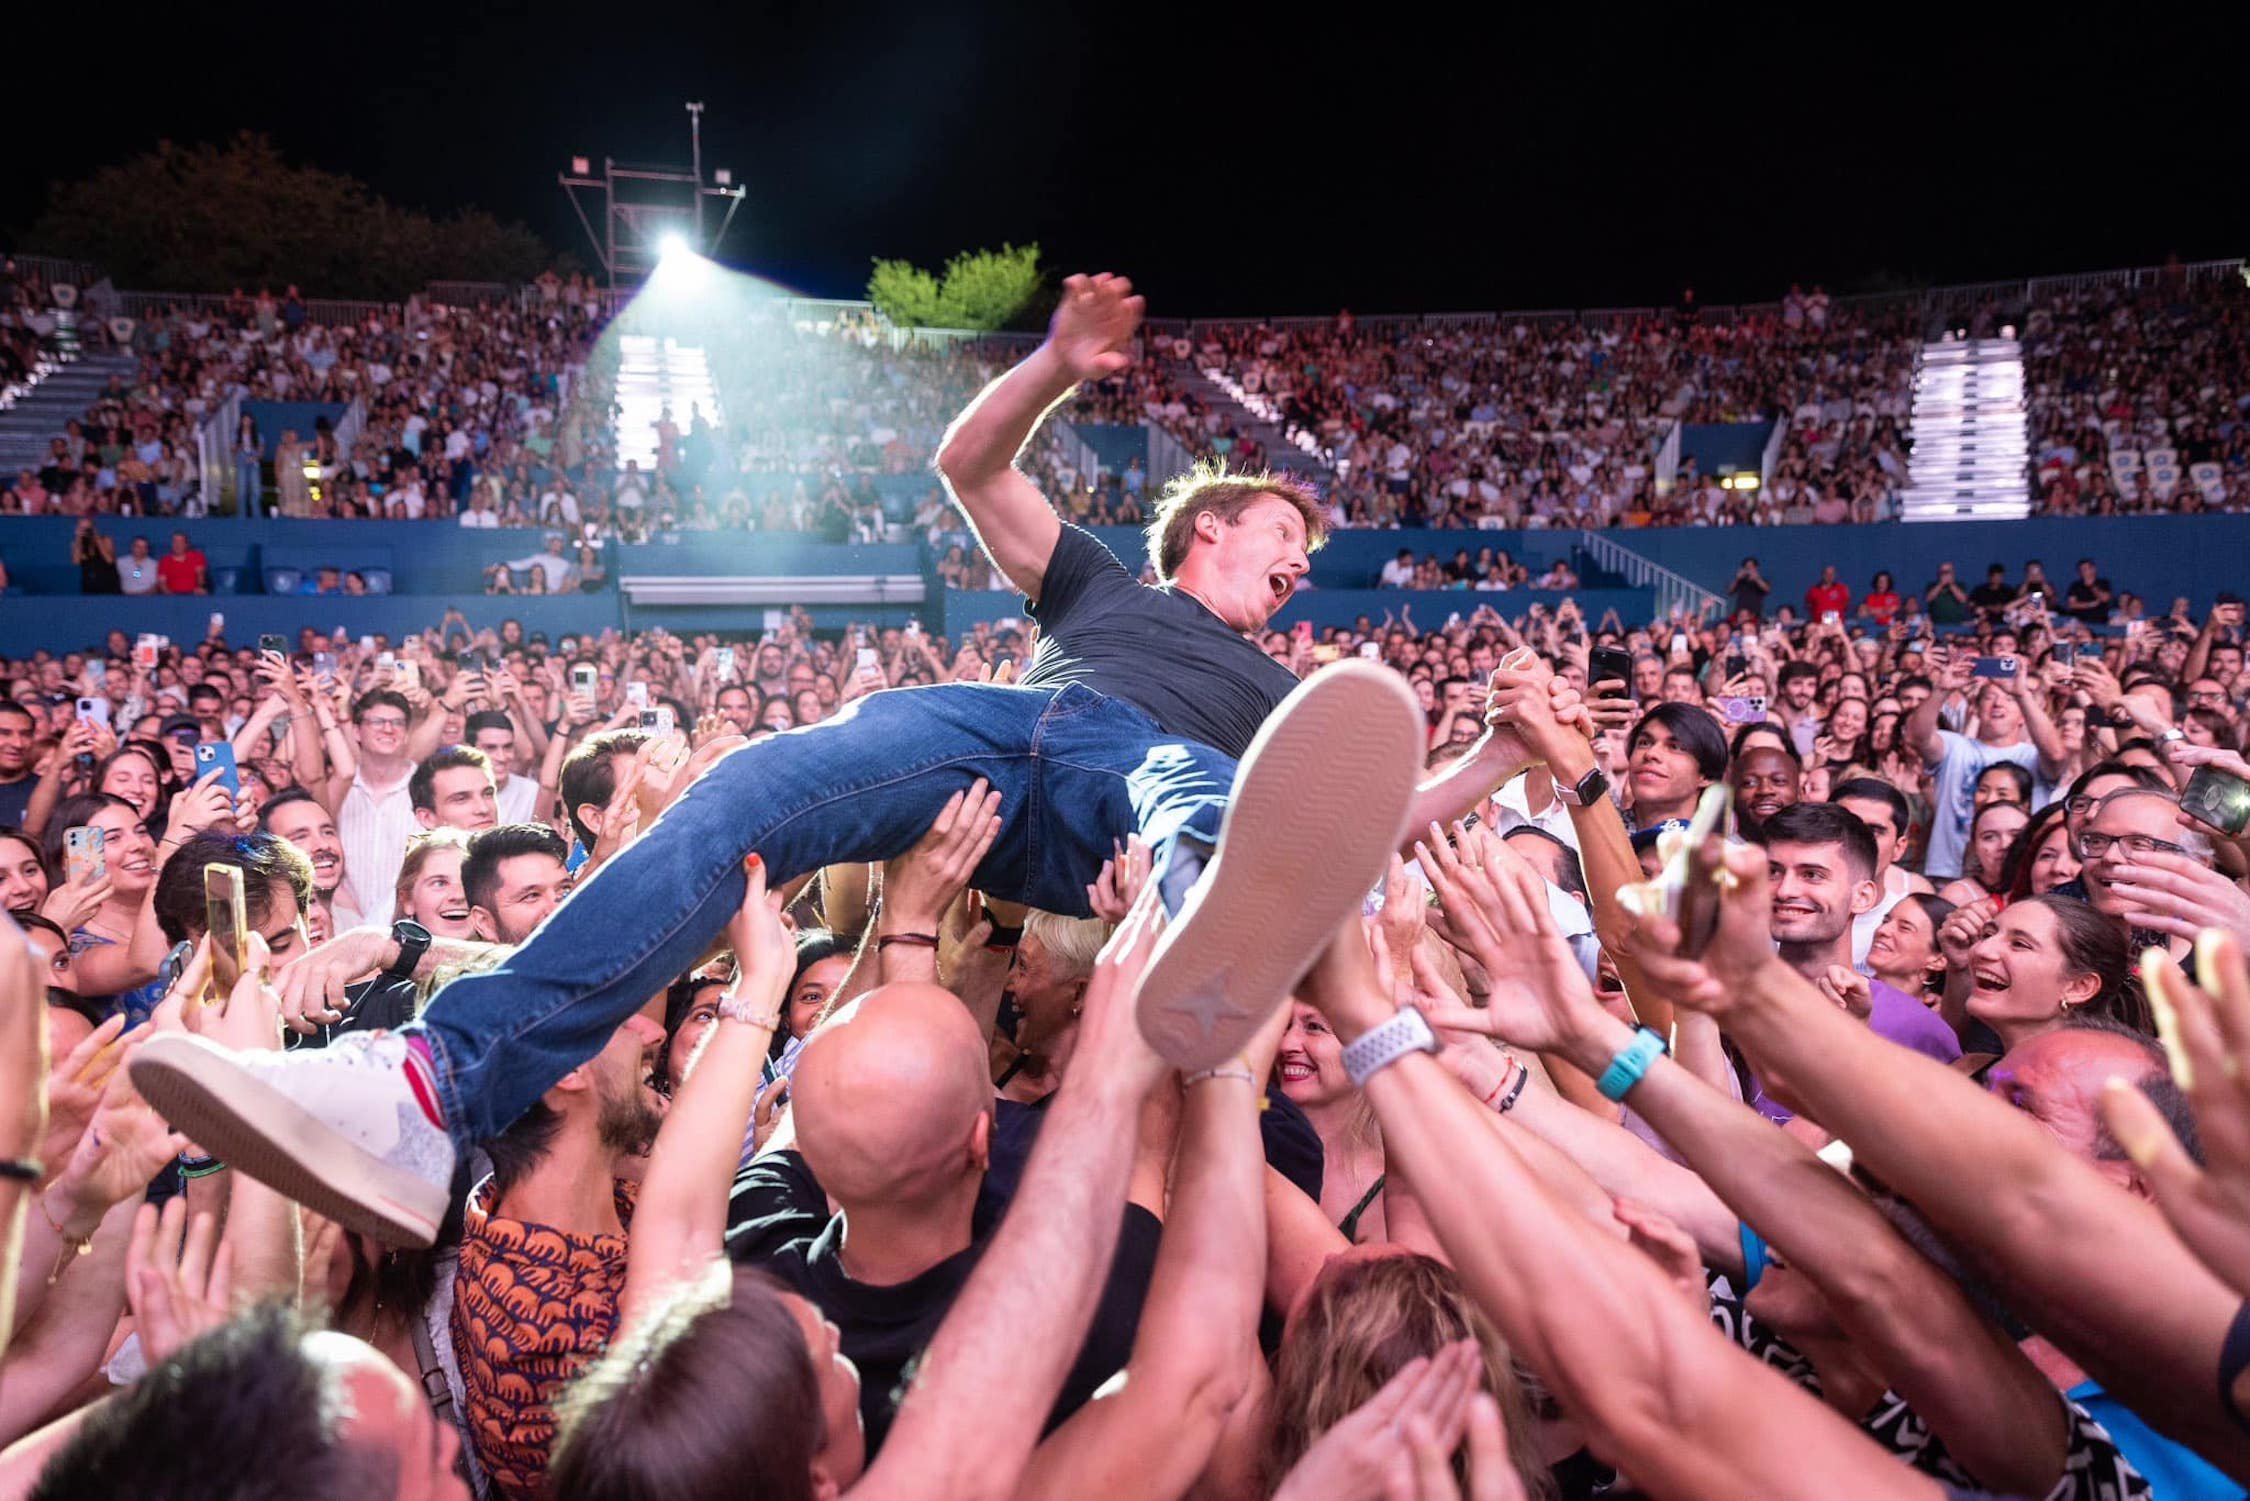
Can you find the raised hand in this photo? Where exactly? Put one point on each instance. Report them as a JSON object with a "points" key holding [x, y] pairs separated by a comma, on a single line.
{"points": [[2207, 1033], [1741, 945], [178, 1278], [1540, 998], [1358, 1458], [1847, 988], [921, 884], [1122, 876], [200, 807], [2180, 897], [1094, 322]]}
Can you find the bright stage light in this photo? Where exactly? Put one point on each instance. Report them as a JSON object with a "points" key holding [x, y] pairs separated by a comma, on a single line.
{"points": [[672, 245]]}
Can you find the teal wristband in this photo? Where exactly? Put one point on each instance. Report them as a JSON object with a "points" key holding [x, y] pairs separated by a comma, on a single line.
{"points": [[1631, 1062]]}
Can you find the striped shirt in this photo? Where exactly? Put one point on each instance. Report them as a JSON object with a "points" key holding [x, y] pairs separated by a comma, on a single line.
{"points": [[374, 827]]}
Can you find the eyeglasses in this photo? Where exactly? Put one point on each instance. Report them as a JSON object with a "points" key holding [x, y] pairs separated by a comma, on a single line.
{"points": [[382, 722], [2098, 845]]}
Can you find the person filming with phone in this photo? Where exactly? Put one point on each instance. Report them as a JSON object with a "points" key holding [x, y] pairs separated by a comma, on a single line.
{"points": [[2010, 724]]}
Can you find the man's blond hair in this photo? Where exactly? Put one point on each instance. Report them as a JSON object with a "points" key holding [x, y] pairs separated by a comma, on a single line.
{"points": [[1226, 494]]}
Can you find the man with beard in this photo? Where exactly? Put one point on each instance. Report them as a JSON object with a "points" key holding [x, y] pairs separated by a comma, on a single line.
{"points": [[1765, 780], [297, 816], [1821, 862], [543, 1250]]}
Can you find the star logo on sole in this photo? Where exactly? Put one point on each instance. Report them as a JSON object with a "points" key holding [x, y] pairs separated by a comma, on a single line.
{"points": [[1208, 1009]]}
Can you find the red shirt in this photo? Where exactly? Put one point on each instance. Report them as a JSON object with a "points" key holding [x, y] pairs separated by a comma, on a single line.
{"points": [[181, 573], [1882, 605], [1822, 598]]}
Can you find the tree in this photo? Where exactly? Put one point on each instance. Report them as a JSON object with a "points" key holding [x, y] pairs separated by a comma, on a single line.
{"points": [[981, 289], [208, 218]]}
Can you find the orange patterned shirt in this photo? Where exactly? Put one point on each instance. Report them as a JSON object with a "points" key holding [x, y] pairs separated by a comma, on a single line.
{"points": [[533, 1306]]}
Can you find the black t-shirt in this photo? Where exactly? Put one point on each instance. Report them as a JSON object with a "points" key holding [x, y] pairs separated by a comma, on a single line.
{"points": [[1992, 599], [1156, 648], [2088, 602], [1750, 594], [778, 1220], [381, 1004], [15, 799]]}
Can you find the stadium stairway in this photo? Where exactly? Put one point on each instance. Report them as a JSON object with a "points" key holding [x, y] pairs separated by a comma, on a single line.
{"points": [[1970, 441], [652, 375], [1254, 417], [63, 393]]}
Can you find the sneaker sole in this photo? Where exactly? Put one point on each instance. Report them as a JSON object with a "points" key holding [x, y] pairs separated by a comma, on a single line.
{"points": [[1318, 808], [256, 1129]]}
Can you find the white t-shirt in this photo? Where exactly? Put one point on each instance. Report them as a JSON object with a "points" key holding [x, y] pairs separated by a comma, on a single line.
{"points": [[1398, 573], [518, 800], [1953, 785], [482, 520]]}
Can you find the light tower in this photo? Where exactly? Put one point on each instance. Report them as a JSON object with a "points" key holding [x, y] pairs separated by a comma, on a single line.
{"points": [[645, 206]]}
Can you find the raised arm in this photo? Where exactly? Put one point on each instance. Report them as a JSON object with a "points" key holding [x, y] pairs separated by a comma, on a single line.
{"points": [[986, 1383], [1921, 732], [1664, 1395], [2132, 1304], [680, 1218], [1093, 326]]}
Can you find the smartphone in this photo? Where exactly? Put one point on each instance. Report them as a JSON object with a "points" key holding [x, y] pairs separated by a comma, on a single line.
{"points": [[1679, 644], [1371, 651], [1745, 709], [912, 630], [409, 674], [1610, 664], [723, 660], [1302, 630], [472, 660], [1736, 664], [84, 862], [636, 694], [585, 678], [659, 720], [218, 756], [94, 711], [278, 645], [1831, 617], [867, 662], [386, 662], [324, 664], [2066, 653], [229, 926], [168, 975], [144, 653], [2218, 798], [2003, 669], [366, 643], [1326, 652], [1694, 904]]}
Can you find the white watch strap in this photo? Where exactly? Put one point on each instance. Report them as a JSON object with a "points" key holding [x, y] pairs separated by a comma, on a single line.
{"points": [[1404, 1033]]}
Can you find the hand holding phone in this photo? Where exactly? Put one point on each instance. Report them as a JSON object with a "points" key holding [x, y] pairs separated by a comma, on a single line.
{"points": [[2218, 798], [218, 756], [229, 925], [84, 860]]}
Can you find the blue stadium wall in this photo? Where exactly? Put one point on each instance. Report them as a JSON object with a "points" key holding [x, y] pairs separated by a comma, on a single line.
{"points": [[436, 566]]}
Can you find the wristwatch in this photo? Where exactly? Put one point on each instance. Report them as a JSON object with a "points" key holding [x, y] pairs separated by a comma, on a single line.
{"points": [[1404, 1033], [413, 942], [1589, 789]]}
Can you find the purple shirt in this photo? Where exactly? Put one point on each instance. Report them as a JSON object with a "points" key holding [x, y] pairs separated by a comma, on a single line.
{"points": [[1897, 1017]]}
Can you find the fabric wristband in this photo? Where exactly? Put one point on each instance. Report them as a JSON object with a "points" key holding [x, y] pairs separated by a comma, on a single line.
{"points": [[908, 940], [1404, 1033], [1631, 1062], [20, 1170]]}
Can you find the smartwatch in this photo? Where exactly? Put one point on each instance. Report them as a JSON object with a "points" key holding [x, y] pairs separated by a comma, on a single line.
{"points": [[1587, 791], [1404, 1033], [413, 942]]}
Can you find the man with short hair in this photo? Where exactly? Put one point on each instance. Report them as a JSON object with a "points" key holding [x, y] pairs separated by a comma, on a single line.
{"points": [[297, 816], [513, 877], [2012, 725], [453, 789], [208, 703], [277, 889], [183, 570], [550, 1222], [136, 571], [1821, 862], [1888, 816], [2128, 826], [378, 816], [19, 727], [589, 778], [1765, 780], [270, 1406], [738, 709], [516, 797]]}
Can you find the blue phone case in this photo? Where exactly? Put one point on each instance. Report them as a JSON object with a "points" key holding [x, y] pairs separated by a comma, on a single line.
{"points": [[218, 756]]}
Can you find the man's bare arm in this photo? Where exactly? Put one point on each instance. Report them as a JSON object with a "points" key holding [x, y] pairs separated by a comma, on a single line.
{"points": [[1094, 322]]}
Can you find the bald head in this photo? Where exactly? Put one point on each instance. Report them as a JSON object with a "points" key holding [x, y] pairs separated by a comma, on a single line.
{"points": [[891, 1105]]}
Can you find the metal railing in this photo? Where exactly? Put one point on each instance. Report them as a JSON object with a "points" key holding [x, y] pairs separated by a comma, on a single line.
{"points": [[1667, 465], [1168, 457], [1675, 595], [58, 270], [214, 455], [1772, 454], [1081, 453]]}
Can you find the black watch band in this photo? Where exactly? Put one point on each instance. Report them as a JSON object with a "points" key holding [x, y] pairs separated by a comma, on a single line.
{"points": [[413, 942], [1587, 791]]}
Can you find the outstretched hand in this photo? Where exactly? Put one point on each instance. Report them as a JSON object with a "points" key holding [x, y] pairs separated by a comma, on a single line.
{"points": [[178, 1278], [2207, 1033], [921, 884], [1539, 998], [1742, 944], [1095, 319]]}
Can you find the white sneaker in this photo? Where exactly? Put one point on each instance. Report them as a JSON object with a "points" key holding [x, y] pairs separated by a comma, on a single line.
{"points": [[1319, 806], [338, 1128]]}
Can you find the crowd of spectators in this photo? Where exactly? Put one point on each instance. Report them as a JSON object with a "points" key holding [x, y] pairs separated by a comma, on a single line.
{"points": [[1891, 1141], [2139, 398]]}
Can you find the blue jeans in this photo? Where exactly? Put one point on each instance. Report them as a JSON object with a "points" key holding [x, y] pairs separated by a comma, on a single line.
{"points": [[1075, 770], [249, 485]]}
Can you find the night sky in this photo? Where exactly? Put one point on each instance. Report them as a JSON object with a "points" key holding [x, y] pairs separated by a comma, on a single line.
{"points": [[1294, 162]]}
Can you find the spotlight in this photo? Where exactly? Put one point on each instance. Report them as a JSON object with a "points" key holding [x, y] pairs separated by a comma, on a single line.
{"points": [[671, 245]]}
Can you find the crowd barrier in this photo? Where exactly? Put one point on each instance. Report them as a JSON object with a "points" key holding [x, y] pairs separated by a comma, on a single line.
{"points": [[436, 565]]}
